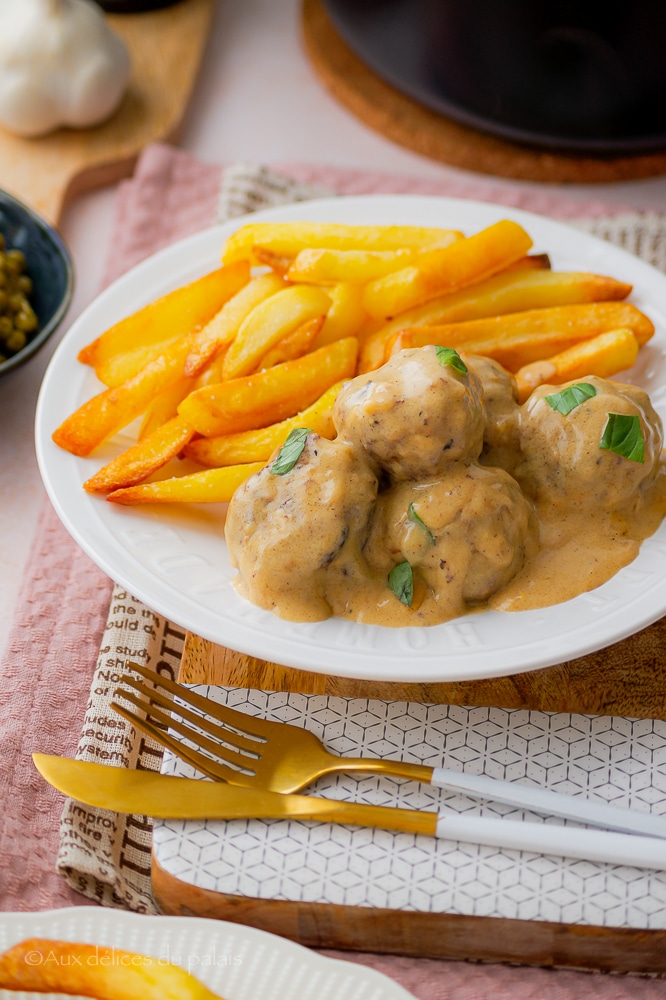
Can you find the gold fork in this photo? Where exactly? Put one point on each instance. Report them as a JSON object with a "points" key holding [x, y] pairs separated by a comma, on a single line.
{"points": [[241, 749]]}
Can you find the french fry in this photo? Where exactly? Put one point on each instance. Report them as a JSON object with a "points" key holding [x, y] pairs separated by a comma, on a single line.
{"points": [[178, 312], [294, 345], [329, 267], [164, 407], [140, 461], [119, 368], [111, 410], [270, 322], [346, 316], [266, 258], [41, 965], [518, 339], [603, 355], [224, 326], [209, 486], [259, 445], [286, 239], [254, 401], [532, 261], [511, 291], [437, 271]]}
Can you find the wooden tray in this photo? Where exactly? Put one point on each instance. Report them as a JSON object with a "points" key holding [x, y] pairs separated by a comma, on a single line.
{"points": [[625, 679], [165, 48]]}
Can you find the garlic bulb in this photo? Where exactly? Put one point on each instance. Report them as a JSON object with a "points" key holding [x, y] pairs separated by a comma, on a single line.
{"points": [[60, 64]]}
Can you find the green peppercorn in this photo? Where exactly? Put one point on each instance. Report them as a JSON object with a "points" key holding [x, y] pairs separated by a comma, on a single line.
{"points": [[16, 341], [15, 261], [25, 321], [17, 317]]}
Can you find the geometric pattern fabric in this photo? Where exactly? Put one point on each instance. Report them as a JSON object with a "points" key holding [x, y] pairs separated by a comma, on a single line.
{"points": [[611, 759]]}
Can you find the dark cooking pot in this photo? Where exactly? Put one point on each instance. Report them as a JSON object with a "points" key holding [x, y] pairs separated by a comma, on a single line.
{"points": [[585, 75]]}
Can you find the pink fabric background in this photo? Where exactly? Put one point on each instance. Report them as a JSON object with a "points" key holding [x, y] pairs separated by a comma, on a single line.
{"points": [[63, 603]]}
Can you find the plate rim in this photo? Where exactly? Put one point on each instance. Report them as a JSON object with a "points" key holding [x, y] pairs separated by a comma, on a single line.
{"points": [[116, 918], [363, 663]]}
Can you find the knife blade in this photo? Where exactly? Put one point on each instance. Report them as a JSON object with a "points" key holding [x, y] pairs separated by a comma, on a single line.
{"points": [[165, 797]]}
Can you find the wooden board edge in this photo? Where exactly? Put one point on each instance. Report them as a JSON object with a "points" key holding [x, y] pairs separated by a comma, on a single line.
{"points": [[425, 935], [623, 679]]}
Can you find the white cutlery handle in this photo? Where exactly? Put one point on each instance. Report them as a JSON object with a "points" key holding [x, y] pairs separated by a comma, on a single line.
{"points": [[542, 800], [549, 838]]}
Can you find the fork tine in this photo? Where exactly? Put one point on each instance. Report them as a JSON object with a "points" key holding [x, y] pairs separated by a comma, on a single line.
{"points": [[248, 725], [208, 767], [234, 739], [227, 756]]}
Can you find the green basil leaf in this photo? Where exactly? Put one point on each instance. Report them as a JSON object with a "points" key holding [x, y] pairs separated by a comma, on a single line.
{"points": [[571, 397], [401, 582], [413, 516], [623, 435], [447, 356], [291, 450]]}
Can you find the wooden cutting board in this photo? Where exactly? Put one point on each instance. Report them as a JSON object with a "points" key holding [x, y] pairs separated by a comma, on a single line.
{"points": [[165, 47], [626, 679]]}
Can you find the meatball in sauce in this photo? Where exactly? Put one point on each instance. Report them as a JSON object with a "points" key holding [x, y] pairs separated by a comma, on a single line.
{"points": [[440, 480]]}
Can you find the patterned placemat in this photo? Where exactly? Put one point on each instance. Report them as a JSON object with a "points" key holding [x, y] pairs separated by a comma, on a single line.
{"points": [[616, 760]]}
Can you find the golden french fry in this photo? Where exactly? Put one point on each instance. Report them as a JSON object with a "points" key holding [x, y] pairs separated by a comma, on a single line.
{"points": [[261, 399], [437, 271], [115, 370], [270, 322], [294, 345], [266, 258], [346, 317], [209, 486], [518, 339], [322, 266], [259, 445], [286, 239], [111, 410], [164, 407], [41, 965], [224, 326], [535, 261], [179, 312], [511, 291], [603, 355], [140, 461]]}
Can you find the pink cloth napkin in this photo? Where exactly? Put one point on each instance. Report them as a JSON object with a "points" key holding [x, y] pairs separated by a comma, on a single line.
{"points": [[63, 603]]}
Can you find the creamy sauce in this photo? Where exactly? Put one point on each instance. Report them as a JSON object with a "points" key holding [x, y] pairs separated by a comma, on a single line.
{"points": [[492, 504]]}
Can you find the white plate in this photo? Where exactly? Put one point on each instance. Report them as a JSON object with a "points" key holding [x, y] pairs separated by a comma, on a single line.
{"points": [[236, 961], [175, 559]]}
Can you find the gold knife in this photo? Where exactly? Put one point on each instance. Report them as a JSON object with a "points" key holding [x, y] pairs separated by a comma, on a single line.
{"points": [[164, 797]]}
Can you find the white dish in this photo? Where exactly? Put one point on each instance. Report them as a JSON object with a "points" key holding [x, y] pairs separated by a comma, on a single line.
{"points": [[175, 559], [236, 961]]}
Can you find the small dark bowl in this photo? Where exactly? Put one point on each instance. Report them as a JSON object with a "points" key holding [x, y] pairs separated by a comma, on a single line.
{"points": [[49, 264]]}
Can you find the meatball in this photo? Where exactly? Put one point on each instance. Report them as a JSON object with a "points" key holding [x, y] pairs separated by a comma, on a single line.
{"points": [[414, 416], [562, 459], [283, 531], [500, 393], [466, 535]]}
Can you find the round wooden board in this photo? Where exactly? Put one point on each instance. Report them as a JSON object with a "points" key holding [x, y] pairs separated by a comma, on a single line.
{"points": [[410, 124]]}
